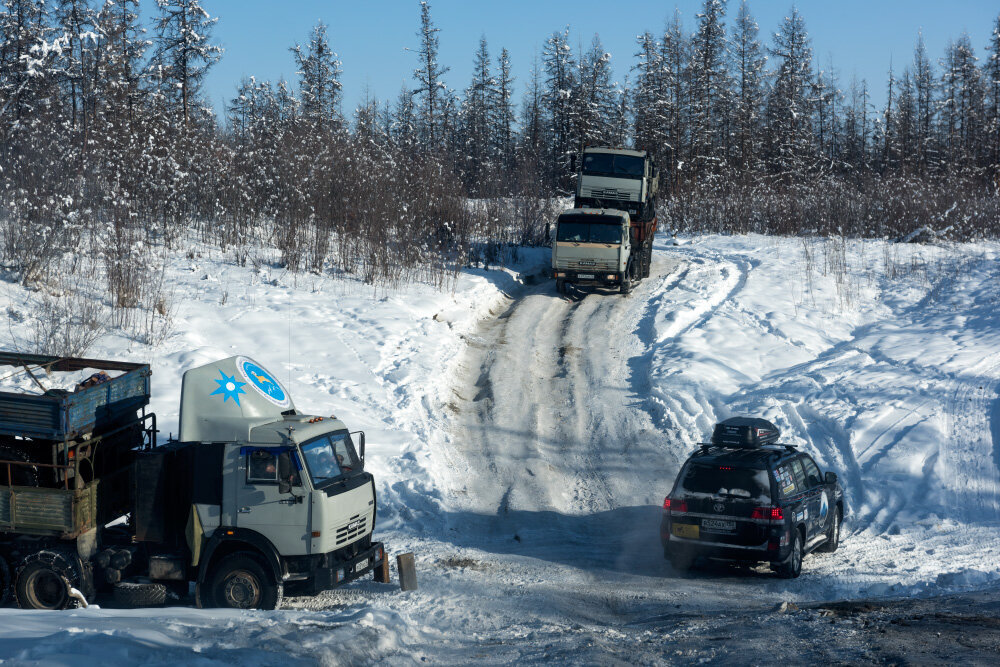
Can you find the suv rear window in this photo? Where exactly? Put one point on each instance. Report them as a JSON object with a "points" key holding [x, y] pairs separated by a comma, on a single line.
{"points": [[749, 483]]}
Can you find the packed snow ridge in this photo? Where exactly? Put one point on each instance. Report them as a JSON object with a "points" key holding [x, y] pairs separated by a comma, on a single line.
{"points": [[523, 442]]}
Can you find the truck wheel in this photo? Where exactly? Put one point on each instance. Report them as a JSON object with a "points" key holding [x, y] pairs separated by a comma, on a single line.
{"points": [[20, 475], [43, 581], [626, 286], [140, 594], [4, 581], [791, 567], [241, 581], [561, 286]]}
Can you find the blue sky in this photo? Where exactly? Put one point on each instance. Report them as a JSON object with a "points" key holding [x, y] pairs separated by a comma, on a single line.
{"points": [[372, 37]]}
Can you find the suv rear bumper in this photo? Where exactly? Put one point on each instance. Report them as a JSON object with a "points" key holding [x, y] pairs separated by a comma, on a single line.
{"points": [[768, 550]]}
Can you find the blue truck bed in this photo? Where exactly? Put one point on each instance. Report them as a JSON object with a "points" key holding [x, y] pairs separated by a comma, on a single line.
{"points": [[62, 415]]}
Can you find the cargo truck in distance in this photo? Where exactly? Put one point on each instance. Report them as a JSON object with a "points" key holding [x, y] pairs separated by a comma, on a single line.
{"points": [[601, 248], [607, 239], [253, 498]]}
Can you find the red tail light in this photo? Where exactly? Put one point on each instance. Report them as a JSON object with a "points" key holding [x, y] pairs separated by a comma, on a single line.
{"points": [[772, 513], [674, 505]]}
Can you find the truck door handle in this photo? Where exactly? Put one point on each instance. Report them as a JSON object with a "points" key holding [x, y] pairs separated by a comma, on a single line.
{"points": [[245, 510]]}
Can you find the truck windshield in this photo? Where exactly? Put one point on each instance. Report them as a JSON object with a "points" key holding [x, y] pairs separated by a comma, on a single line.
{"points": [[579, 232], [748, 483], [608, 164], [329, 457]]}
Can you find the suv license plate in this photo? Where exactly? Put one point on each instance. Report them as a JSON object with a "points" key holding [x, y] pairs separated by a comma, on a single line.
{"points": [[718, 525], [585, 276]]}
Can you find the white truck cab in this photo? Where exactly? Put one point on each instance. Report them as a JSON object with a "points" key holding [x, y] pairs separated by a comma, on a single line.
{"points": [[592, 247]]}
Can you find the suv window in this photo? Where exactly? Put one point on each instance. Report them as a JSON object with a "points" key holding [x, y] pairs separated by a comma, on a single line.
{"points": [[749, 483], [800, 475], [786, 481], [812, 471]]}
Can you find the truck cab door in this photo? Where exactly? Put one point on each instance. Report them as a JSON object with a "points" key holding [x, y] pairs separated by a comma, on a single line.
{"points": [[283, 518]]}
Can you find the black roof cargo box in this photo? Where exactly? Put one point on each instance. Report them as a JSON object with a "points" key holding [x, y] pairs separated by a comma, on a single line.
{"points": [[745, 432]]}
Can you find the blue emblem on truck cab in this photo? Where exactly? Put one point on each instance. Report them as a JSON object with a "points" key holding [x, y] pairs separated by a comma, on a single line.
{"points": [[824, 506], [229, 387], [265, 383]]}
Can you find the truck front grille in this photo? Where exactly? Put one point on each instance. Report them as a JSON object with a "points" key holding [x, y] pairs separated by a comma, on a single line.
{"points": [[351, 530], [591, 265], [609, 194]]}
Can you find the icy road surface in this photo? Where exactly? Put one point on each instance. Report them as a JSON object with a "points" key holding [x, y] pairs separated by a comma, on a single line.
{"points": [[523, 443]]}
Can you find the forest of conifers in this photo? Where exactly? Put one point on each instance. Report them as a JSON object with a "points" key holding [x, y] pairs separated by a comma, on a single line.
{"points": [[109, 149]]}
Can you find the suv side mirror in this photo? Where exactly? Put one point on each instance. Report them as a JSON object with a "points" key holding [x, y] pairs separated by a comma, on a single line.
{"points": [[284, 472], [831, 477]]}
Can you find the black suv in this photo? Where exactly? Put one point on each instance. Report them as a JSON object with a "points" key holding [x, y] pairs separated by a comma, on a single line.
{"points": [[744, 498]]}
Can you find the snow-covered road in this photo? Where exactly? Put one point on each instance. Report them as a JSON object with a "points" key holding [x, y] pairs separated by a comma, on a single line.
{"points": [[523, 443]]}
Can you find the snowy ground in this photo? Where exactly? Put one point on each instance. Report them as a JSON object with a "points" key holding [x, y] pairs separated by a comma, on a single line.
{"points": [[523, 443]]}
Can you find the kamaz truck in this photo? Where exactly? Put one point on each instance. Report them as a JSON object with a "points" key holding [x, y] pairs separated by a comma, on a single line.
{"points": [[618, 178], [252, 498], [601, 248]]}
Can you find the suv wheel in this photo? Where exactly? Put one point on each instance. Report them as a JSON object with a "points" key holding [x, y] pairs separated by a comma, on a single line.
{"points": [[791, 567], [833, 535]]}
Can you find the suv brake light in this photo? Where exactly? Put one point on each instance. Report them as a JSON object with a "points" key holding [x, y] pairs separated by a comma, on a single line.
{"points": [[674, 505], [772, 513]]}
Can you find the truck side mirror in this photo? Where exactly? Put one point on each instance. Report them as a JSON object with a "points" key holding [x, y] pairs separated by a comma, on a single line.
{"points": [[831, 477], [361, 445], [284, 472], [572, 162]]}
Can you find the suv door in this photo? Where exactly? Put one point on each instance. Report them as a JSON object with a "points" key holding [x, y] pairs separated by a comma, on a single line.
{"points": [[824, 496], [811, 502]]}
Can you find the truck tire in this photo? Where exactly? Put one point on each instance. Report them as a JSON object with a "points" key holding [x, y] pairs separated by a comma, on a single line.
{"points": [[20, 475], [43, 581], [561, 286], [626, 285], [4, 581], [140, 594], [242, 581]]}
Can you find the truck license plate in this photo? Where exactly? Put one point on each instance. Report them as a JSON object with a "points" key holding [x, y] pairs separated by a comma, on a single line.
{"points": [[585, 276], [686, 530], [362, 565], [718, 525]]}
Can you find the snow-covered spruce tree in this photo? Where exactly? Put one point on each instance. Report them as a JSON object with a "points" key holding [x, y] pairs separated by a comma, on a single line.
{"points": [[962, 104], [675, 51], [747, 62], [502, 118], [77, 21], [789, 140], [431, 91], [991, 70], [827, 123], [596, 100], [709, 88], [477, 157], [183, 51], [649, 96], [906, 124], [560, 107], [924, 87], [319, 80]]}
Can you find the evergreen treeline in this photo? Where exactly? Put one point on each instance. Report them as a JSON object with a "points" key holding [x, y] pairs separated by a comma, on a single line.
{"points": [[107, 144]]}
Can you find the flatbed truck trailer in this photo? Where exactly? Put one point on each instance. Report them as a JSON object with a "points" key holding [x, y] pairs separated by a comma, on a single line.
{"points": [[251, 499]]}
